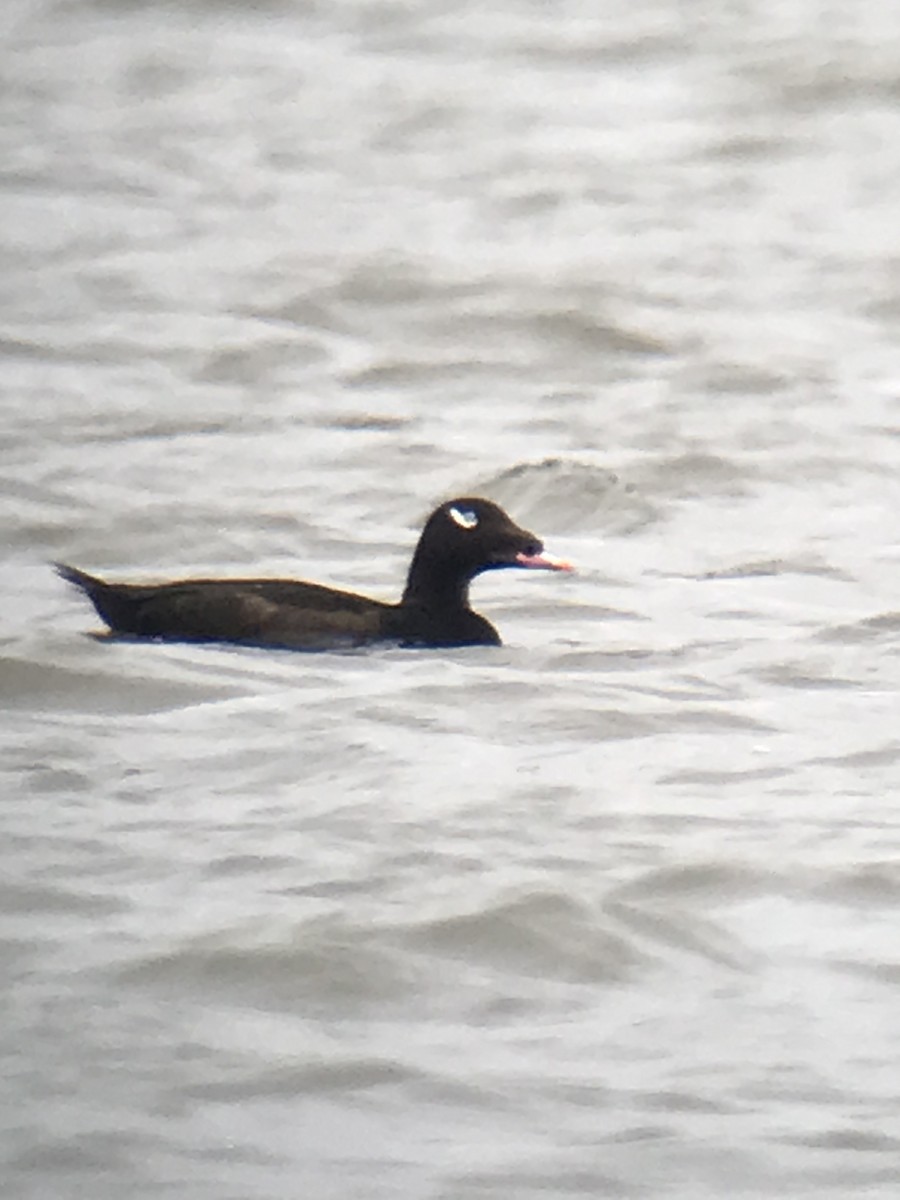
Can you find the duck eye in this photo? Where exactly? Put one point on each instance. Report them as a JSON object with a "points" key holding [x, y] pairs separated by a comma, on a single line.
{"points": [[465, 518]]}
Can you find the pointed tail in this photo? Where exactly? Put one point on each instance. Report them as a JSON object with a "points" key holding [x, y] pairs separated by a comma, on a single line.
{"points": [[80, 579], [111, 600]]}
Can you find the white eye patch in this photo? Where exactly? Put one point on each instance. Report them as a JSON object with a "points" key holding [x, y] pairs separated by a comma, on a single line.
{"points": [[464, 517]]}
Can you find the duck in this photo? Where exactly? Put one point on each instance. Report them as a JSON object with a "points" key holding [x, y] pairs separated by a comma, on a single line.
{"points": [[461, 539]]}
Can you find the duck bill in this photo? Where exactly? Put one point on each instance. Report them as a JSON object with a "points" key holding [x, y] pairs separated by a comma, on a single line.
{"points": [[543, 562]]}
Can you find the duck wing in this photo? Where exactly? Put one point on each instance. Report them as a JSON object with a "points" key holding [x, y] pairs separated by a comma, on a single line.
{"points": [[258, 612]]}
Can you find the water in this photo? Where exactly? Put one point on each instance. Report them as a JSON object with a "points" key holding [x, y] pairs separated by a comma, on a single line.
{"points": [[610, 910]]}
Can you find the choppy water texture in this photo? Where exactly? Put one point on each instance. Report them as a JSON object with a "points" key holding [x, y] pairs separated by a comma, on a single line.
{"points": [[609, 911]]}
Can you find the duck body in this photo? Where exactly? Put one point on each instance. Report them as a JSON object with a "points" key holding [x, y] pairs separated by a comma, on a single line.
{"points": [[461, 539], [283, 613]]}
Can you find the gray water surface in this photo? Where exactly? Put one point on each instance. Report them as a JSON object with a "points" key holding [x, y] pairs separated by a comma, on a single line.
{"points": [[610, 910]]}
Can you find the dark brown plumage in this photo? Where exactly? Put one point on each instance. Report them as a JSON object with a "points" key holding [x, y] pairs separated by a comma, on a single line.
{"points": [[461, 539]]}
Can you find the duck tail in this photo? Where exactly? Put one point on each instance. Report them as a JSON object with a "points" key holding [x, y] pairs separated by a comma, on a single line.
{"points": [[111, 600], [80, 579]]}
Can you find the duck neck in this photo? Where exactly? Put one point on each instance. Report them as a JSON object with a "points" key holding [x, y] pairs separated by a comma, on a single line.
{"points": [[436, 586]]}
